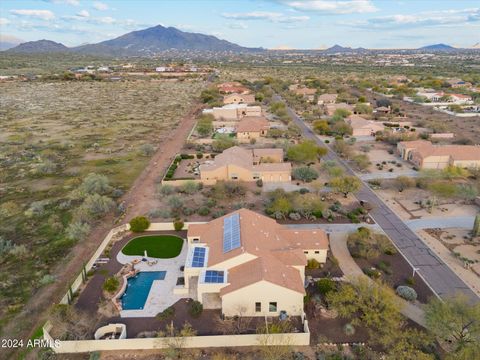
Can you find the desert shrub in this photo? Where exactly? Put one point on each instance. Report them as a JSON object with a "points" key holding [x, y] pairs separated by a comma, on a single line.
{"points": [[46, 167], [77, 230], [19, 251], [146, 149], [361, 161], [46, 279], [406, 292], [116, 193], [189, 187], [385, 267], [410, 281], [178, 225], [139, 224], [8, 209], [259, 182], [372, 273], [36, 208], [294, 216], [203, 211], [305, 151], [97, 205], [349, 329], [305, 173], [111, 284], [195, 308], [313, 264], [175, 202], [166, 314], [166, 189], [218, 213], [187, 211], [5, 246], [325, 285], [95, 184], [163, 213]]}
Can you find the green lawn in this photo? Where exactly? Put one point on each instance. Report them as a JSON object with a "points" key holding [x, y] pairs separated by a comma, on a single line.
{"points": [[158, 246]]}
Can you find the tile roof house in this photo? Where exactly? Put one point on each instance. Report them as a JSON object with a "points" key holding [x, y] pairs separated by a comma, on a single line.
{"points": [[239, 99], [330, 108], [234, 112], [241, 164], [247, 264], [251, 127], [233, 87], [307, 93], [425, 155], [363, 127], [327, 99]]}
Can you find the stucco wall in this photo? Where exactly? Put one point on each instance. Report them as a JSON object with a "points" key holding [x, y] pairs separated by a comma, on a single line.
{"points": [[321, 257], [264, 292], [84, 346]]}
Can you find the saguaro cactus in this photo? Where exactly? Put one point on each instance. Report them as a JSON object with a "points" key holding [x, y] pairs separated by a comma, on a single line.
{"points": [[476, 226]]}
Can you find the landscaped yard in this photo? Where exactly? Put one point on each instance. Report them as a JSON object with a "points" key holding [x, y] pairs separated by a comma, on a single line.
{"points": [[157, 246]]}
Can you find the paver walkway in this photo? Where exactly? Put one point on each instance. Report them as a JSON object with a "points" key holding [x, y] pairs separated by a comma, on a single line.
{"points": [[438, 275], [338, 245]]}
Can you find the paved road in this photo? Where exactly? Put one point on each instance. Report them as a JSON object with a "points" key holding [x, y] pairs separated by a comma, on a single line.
{"points": [[465, 222], [441, 279]]}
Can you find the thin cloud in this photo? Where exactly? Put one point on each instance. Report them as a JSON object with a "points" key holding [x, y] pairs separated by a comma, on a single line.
{"points": [[332, 7], [38, 14], [4, 21], [265, 15], [100, 6], [425, 19], [83, 14], [66, 2]]}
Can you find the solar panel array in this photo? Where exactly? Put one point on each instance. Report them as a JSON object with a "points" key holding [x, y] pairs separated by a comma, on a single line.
{"points": [[198, 257], [214, 276], [231, 233]]}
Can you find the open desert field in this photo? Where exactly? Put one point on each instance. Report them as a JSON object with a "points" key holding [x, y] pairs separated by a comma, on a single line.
{"points": [[52, 135]]}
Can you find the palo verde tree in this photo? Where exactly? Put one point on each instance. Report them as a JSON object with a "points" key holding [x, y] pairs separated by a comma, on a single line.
{"points": [[346, 185]]}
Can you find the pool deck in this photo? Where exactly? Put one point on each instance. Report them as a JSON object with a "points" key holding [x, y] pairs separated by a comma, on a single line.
{"points": [[91, 296], [161, 294]]}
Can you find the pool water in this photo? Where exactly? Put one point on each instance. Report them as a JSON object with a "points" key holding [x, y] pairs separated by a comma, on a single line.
{"points": [[138, 287]]}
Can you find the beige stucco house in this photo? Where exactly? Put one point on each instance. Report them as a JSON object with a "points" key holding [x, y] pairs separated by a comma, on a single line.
{"points": [[233, 112], [425, 155], [247, 264], [236, 98], [251, 127], [241, 164], [327, 99], [306, 93], [363, 127]]}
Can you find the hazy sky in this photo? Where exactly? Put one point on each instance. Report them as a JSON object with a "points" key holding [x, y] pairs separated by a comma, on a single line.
{"points": [[267, 23]]}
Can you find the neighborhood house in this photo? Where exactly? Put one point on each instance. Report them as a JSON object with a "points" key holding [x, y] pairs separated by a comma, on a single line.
{"points": [[425, 155], [247, 264], [252, 127], [306, 93], [234, 111], [239, 99], [327, 99], [241, 164], [363, 127]]}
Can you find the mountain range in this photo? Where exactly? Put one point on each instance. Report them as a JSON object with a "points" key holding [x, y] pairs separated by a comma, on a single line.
{"points": [[158, 39], [142, 42]]}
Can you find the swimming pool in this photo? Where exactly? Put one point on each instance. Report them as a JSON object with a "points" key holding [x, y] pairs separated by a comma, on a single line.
{"points": [[138, 287]]}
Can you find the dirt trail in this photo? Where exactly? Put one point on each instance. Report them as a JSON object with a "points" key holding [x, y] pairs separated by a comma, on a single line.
{"points": [[136, 200]]}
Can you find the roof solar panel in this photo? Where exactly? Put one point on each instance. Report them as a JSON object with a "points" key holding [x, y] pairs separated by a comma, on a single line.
{"points": [[231, 232], [214, 276], [198, 259]]}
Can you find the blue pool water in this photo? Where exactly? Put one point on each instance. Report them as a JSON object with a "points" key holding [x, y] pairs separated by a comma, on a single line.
{"points": [[138, 287]]}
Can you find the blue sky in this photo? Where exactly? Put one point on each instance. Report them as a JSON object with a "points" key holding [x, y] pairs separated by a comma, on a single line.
{"points": [[307, 24]]}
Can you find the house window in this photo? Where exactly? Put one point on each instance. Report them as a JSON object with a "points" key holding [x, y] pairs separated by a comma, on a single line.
{"points": [[258, 307], [272, 306], [195, 240], [305, 252], [317, 252]]}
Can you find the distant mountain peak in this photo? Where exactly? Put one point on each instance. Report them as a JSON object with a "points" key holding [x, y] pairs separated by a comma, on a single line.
{"points": [[438, 47], [39, 46]]}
